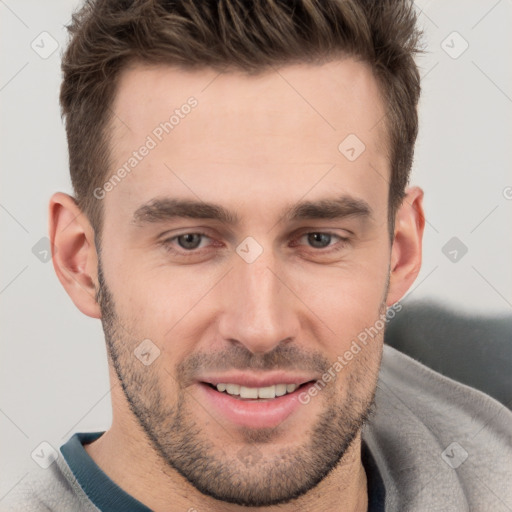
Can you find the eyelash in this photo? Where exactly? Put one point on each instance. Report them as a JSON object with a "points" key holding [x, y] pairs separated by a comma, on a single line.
{"points": [[168, 243]]}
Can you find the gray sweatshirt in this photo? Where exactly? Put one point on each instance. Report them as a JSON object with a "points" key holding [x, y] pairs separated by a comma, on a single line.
{"points": [[432, 445]]}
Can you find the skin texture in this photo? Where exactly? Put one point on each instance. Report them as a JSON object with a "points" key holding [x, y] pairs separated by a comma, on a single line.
{"points": [[254, 146]]}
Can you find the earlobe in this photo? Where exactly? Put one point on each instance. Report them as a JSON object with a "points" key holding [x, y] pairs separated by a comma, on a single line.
{"points": [[74, 252], [407, 245]]}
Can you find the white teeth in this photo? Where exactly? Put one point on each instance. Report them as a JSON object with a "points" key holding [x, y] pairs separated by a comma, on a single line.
{"points": [[248, 392], [280, 389], [267, 392], [233, 389]]}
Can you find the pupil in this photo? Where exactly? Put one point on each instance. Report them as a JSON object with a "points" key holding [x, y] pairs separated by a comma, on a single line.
{"points": [[319, 239], [189, 241]]}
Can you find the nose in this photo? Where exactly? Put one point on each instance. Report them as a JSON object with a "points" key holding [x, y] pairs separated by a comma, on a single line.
{"points": [[258, 310]]}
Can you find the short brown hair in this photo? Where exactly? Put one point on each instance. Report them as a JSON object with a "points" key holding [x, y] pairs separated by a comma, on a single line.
{"points": [[248, 35]]}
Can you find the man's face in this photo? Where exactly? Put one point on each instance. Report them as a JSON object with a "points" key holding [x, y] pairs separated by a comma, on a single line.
{"points": [[273, 309]]}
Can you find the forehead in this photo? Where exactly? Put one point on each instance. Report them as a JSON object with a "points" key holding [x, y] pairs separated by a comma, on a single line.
{"points": [[332, 97], [284, 129]]}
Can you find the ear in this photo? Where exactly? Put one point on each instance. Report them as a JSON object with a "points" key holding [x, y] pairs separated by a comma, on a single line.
{"points": [[74, 253], [407, 243]]}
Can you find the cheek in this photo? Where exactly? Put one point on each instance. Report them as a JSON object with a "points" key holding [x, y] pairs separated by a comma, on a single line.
{"points": [[162, 304], [347, 297]]}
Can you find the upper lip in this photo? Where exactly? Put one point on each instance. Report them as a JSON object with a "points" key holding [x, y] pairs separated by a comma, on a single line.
{"points": [[252, 380]]}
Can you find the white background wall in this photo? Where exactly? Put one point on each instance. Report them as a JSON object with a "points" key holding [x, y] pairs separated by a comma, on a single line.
{"points": [[53, 370]]}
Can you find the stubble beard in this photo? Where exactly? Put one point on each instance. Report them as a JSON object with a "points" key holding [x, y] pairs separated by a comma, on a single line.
{"points": [[255, 472]]}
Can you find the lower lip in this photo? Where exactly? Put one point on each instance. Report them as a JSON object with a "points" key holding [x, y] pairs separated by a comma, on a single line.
{"points": [[254, 413]]}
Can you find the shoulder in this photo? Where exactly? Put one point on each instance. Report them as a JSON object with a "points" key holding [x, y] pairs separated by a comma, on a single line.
{"points": [[52, 489], [439, 442], [439, 401]]}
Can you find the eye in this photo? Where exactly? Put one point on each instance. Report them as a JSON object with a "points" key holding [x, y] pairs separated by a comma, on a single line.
{"points": [[189, 240], [191, 244], [186, 241], [320, 240]]}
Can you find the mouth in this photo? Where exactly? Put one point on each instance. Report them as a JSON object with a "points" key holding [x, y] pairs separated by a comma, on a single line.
{"points": [[258, 393], [252, 404]]}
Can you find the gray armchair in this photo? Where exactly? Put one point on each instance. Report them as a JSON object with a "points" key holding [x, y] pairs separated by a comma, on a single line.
{"points": [[470, 348]]}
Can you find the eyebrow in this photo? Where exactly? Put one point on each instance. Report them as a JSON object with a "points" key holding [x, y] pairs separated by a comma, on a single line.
{"points": [[165, 209]]}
